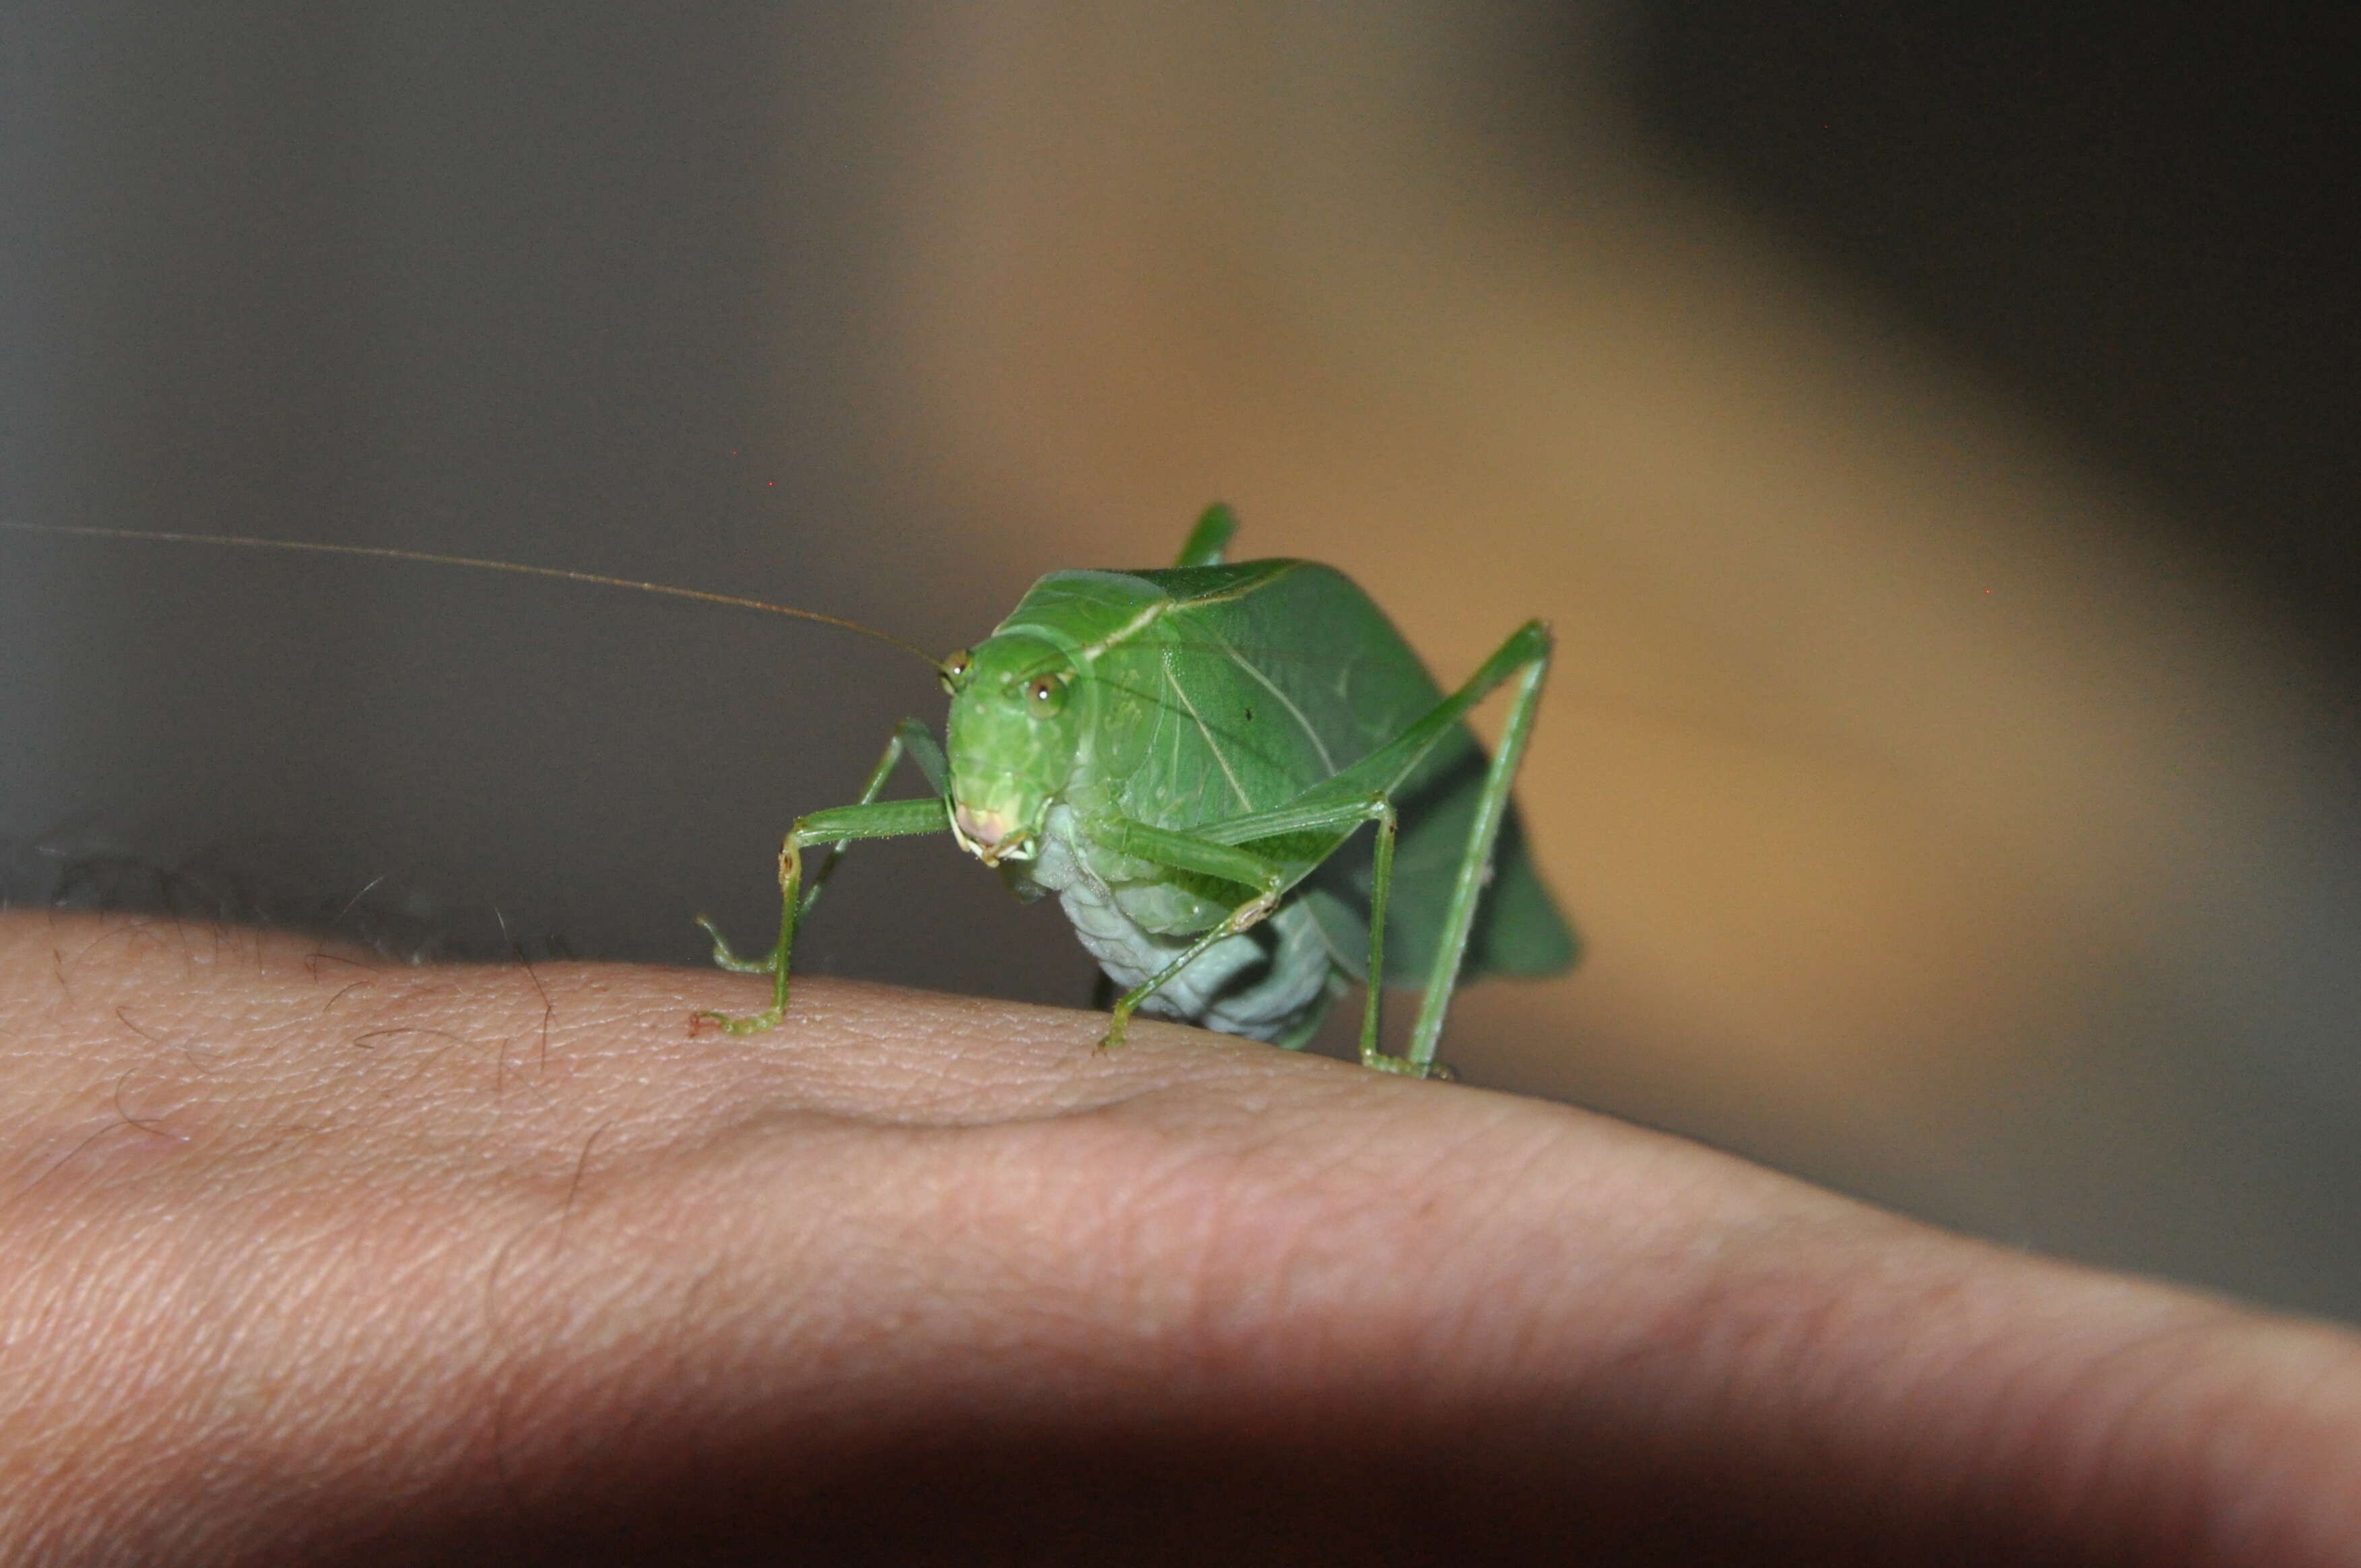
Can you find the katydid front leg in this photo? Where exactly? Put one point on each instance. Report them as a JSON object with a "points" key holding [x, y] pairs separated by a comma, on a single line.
{"points": [[910, 735], [870, 818], [911, 738]]}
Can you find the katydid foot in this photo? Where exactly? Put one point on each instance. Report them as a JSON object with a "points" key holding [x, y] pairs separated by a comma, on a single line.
{"points": [[726, 957], [1404, 1067], [750, 1024]]}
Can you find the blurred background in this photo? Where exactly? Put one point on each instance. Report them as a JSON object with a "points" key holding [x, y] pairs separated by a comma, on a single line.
{"points": [[1929, 431]]}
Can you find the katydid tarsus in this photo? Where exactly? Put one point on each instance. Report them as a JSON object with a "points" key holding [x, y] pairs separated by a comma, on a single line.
{"points": [[1188, 758]]}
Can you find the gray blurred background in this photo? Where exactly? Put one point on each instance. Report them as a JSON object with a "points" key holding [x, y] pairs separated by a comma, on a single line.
{"points": [[1930, 435]]}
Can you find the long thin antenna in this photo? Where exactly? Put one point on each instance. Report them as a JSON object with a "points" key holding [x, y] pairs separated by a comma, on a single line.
{"points": [[384, 553]]}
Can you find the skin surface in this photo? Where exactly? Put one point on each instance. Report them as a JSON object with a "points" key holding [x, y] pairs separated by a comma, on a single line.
{"points": [[306, 1258]]}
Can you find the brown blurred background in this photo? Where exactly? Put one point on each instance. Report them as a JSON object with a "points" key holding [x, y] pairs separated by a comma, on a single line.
{"points": [[1928, 434]]}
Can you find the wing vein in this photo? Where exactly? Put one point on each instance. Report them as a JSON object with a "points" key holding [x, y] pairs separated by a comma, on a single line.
{"points": [[1202, 729], [1285, 701]]}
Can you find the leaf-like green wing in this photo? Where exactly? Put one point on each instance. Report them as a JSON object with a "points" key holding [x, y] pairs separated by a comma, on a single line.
{"points": [[1259, 681]]}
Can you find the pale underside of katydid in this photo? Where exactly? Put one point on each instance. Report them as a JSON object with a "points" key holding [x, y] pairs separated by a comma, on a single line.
{"points": [[1189, 759]]}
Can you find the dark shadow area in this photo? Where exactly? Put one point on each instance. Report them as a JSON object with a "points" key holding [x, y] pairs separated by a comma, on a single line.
{"points": [[1375, 1490], [2139, 222]]}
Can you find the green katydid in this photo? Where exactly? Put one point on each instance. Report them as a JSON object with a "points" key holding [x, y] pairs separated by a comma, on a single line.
{"points": [[1186, 757], [1183, 757]]}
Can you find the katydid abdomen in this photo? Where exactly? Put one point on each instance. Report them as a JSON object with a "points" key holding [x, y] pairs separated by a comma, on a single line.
{"points": [[1274, 983]]}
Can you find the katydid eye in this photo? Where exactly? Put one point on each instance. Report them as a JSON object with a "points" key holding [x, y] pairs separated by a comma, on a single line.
{"points": [[953, 668], [1046, 693]]}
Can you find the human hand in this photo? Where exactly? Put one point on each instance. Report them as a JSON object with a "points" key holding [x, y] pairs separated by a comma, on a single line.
{"points": [[308, 1258]]}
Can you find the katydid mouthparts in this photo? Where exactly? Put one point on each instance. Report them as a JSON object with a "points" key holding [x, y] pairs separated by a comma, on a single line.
{"points": [[1187, 757]]}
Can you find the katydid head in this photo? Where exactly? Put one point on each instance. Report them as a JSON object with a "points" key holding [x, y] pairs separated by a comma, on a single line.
{"points": [[1011, 742]]}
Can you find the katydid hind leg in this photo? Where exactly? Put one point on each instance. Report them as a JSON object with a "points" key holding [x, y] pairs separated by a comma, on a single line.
{"points": [[1209, 541], [1364, 792], [1524, 655], [1468, 889], [1381, 888]]}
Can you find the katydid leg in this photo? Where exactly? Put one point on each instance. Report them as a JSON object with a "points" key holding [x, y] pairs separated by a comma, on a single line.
{"points": [[1352, 794], [1381, 890], [1381, 772], [1339, 818], [1210, 539], [1190, 852], [1186, 852], [911, 736], [1240, 919], [1530, 647], [873, 819]]}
